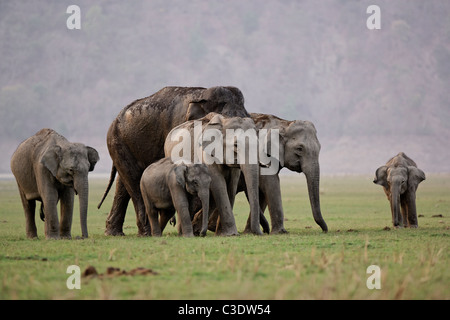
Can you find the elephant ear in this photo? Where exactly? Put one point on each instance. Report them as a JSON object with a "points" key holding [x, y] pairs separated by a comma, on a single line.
{"points": [[196, 110], [381, 176], [51, 159], [180, 171], [211, 151], [275, 140], [93, 157], [415, 176]]}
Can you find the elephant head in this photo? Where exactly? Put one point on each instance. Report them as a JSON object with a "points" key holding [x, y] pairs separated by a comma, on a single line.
{"points": [[400, 182], [239, 150], [195, 178], [299, 151], [228, 101], [70, 163]]}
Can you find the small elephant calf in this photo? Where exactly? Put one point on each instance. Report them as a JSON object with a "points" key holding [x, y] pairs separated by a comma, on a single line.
{"points": [[48, 168], [400, 178], [167, 187]]}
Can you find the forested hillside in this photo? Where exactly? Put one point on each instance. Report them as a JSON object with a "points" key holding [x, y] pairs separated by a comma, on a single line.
{"points": [[370, 93]]}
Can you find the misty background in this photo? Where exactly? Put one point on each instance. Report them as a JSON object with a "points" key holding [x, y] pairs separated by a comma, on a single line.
{"points": [[370, 93]]}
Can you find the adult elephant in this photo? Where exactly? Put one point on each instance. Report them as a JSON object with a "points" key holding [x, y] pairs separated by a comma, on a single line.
{"points": [[136, 138], [48, 168], [228, 146], [298, 151]]}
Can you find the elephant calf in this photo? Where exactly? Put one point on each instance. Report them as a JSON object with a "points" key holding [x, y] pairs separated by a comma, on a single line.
{"points": [[166, 187], [400, 178], [48, 168]]}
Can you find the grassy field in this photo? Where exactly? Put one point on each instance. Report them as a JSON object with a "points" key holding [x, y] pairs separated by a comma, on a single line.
{"points": [[304, 264]]}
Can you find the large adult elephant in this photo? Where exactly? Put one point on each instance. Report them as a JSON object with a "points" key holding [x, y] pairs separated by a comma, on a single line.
{"points": [[136, 138], [48, 168], [228, 146], [298, 151]]}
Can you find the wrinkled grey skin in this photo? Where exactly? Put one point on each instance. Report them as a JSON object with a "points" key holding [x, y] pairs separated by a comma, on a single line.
{"points": [[136, 139], [298, 151], [48, 168], [166, 187], [400, 179], [225, 177]]}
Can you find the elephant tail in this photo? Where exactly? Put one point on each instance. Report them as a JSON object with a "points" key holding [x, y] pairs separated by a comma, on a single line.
{"points": [[111, 180], [41, 213]]}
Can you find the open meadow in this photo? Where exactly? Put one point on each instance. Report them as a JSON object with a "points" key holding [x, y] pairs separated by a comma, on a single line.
{"points": [[304, 264]]}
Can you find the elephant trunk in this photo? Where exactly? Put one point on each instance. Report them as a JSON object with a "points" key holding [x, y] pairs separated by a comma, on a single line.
{"points": [[313, 181], [251, 175], [395, 206], [81, 186], [204, 198]]}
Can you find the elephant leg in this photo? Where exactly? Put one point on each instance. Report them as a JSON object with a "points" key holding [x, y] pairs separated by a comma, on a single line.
{"points": [[142, 223], [232, 184], [270, 187], [116, 217], [152, 215], [130, 173], [404, 211], [411, 209], [181, 205], [29, 206], [66, 200], [226, 225], [164, 217], [262, 219], [50, 201]]}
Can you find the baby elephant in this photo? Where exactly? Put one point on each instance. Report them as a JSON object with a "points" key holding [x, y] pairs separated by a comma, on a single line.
{"points": [[400, 178], [48, 168], [167, 187]]}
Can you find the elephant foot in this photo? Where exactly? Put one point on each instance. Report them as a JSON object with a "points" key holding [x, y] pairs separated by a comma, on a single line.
{"points": [[66, 236], [257, 232], [188, 235], [52, 237], [144, 231], [227, 233], [112, 232], [32, 235], [280, 230]]}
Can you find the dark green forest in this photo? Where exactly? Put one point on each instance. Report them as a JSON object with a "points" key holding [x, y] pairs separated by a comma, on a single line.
{"points": [[370, 93]]}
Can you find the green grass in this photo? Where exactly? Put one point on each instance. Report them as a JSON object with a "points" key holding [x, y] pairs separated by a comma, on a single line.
{"points": [[304, 264]]}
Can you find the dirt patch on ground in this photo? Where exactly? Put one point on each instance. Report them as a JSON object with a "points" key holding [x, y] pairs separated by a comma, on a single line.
{"points": [[111, 272]]}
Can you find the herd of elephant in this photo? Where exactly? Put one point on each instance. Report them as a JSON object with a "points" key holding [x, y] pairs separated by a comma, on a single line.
{"points": [[50, 169]]}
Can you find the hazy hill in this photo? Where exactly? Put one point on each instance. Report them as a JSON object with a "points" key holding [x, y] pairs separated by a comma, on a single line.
{"points": [[370, 93]]}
